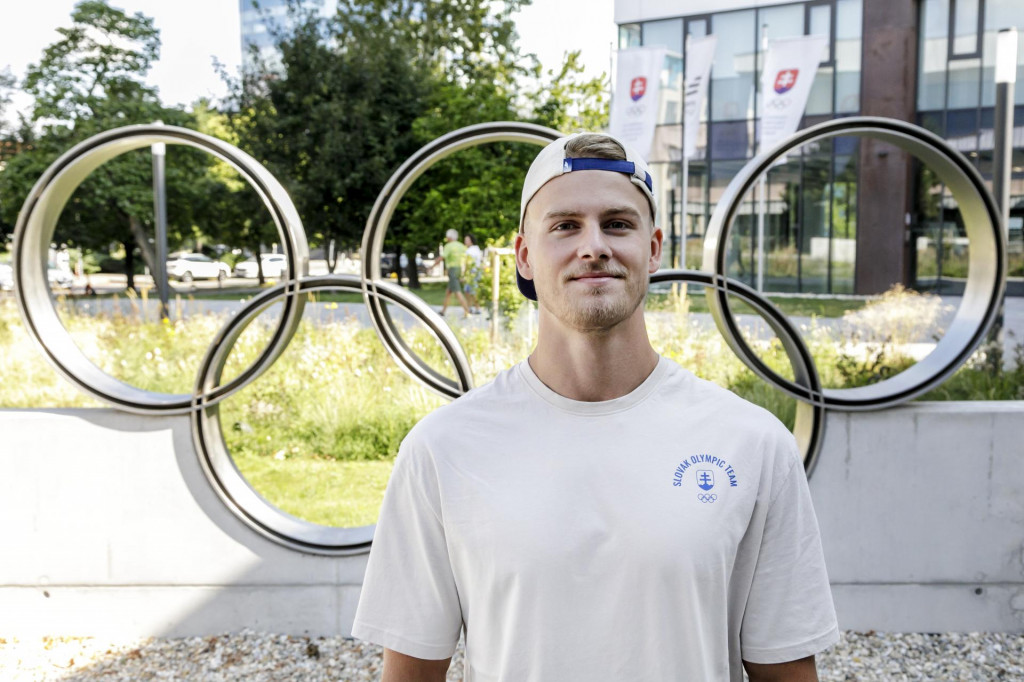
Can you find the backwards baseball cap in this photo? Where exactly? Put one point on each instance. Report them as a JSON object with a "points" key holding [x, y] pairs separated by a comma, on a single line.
{"points": [[552, 162]]}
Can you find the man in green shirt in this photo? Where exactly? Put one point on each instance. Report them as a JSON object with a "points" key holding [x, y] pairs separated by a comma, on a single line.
{"points": [[453, 253]]}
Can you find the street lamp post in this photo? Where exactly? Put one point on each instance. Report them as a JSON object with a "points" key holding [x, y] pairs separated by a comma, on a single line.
{"points": [[1002, 156], [160, 209], [1002, 153]]}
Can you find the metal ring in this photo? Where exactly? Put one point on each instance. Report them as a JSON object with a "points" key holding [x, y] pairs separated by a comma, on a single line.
{"points": [[380, 218], [39, 215], [986, 271], [809, 428], [38, 220], [220, 469]]}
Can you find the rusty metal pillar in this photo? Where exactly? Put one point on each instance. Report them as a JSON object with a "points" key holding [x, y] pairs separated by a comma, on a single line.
{"points": [[888, 78]]}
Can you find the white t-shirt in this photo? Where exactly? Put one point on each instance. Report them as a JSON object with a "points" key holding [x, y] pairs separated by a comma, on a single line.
{"points": [[663, 535]]}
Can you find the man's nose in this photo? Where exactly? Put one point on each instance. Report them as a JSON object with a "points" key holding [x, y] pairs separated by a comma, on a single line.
{"points": [[593, 242]]}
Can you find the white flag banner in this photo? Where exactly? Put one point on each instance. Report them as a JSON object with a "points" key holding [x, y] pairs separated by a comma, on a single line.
{"points": [[789, 70], [700, 52], [635, 105]]}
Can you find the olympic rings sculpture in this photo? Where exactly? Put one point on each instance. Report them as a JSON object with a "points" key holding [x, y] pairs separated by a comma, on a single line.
{"points": [[38, 218]]}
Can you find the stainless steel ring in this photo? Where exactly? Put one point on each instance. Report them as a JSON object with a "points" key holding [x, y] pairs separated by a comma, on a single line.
{"points": [[39, 215], [208, 435], [380, 218], [34, 230], [986, 274], [809, 428]]}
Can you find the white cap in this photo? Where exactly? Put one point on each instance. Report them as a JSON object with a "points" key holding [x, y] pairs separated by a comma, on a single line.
{"points": [[552, 162]]}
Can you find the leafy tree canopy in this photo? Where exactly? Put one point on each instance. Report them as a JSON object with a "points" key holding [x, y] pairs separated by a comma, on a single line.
{"points": [[354, 96], [88, 81]]}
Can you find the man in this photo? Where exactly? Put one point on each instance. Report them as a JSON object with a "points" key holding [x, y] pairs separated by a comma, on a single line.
{"points": [[596, 512], [474, 268], [453, 252]]}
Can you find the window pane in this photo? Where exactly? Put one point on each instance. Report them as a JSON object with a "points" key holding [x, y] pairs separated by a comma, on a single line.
{"points": [[820, 99], [782, 226], [781, 22], [814, 215], [821, 25], [965, 26], [697, 214], [732, 76], [697, 27], [964, 83], [668, 34], [844, 217], [730, 140], [931, 74], [740, 250], [847, 55], [629, 36]]}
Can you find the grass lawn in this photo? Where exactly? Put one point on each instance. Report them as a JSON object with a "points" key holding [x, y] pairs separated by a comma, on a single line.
{"points": [[433, 294], [798, 306], [326, 491], [316, 434]]}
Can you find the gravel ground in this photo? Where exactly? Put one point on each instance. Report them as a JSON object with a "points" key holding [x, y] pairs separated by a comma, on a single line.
{"points": [[258, 657]]}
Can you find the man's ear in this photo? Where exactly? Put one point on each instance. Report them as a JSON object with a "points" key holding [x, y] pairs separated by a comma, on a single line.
{"points": [[522, 256], [656, 239]]}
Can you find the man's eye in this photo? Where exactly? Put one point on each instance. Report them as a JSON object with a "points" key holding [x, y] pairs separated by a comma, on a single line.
{"points": [[618, 225], [564, 226]]}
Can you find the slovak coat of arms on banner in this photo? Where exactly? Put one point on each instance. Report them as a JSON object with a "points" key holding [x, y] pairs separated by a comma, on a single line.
{"points": [[785, 80], [634, 110], [637, 88]]}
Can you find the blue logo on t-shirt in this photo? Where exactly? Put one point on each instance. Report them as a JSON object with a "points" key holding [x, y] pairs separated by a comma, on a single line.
{"points": [[705, 479]]}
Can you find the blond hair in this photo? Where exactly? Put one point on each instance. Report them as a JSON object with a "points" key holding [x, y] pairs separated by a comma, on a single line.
{"points": [[594, 146]]}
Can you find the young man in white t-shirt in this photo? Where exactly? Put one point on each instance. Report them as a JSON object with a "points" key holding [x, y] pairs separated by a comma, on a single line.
{"points": [[596, 512]]}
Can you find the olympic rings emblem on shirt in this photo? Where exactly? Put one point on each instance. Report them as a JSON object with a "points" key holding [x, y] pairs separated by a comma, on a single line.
{"points": [[38, 218], [707, 497]]}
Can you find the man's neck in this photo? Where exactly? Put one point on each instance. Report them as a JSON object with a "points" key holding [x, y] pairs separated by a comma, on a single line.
{"points": [[592, 366]]}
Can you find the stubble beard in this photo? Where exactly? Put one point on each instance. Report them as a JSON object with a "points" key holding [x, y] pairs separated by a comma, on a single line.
{"points": [[600, 309]]}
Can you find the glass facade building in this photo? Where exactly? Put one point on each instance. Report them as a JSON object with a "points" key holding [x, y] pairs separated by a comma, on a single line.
{"points": [[956, 99], [812, 241]]}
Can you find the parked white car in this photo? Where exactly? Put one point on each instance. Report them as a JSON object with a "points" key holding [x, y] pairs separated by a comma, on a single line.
{"points": [[6, 277], [59, 279], [189, 266], [274, 265]]}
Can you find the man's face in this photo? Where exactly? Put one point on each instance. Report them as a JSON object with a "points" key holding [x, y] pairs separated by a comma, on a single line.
{"points": [[589, 247]]}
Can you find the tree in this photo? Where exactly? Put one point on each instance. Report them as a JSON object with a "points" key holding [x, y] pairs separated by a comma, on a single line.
{"points": [[240, 218], [354, 96], [87, 82]]}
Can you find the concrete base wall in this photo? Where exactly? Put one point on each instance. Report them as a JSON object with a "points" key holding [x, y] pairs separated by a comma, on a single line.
{"points": [[112, 529], [921, 509]]}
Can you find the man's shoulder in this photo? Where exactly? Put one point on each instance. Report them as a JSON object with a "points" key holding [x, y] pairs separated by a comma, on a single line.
{"points": [[730, 407], [472, 412], [718, 411]]}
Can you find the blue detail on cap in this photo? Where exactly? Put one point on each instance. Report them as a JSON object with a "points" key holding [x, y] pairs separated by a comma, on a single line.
{"points": [[627, 167]]}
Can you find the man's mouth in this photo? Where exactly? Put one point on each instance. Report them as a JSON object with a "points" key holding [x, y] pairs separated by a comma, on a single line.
{"points": [[595, 278]]}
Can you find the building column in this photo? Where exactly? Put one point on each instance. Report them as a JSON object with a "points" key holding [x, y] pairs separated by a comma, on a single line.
{"points": [[887, 88]]}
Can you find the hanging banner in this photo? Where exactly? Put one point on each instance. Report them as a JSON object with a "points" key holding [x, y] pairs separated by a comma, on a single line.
{"points": [[789, 69], [635, 104], [700, 52]]}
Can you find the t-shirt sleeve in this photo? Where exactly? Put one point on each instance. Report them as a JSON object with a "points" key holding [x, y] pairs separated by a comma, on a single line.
{"points": [[409, 602], [789, 612]]}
